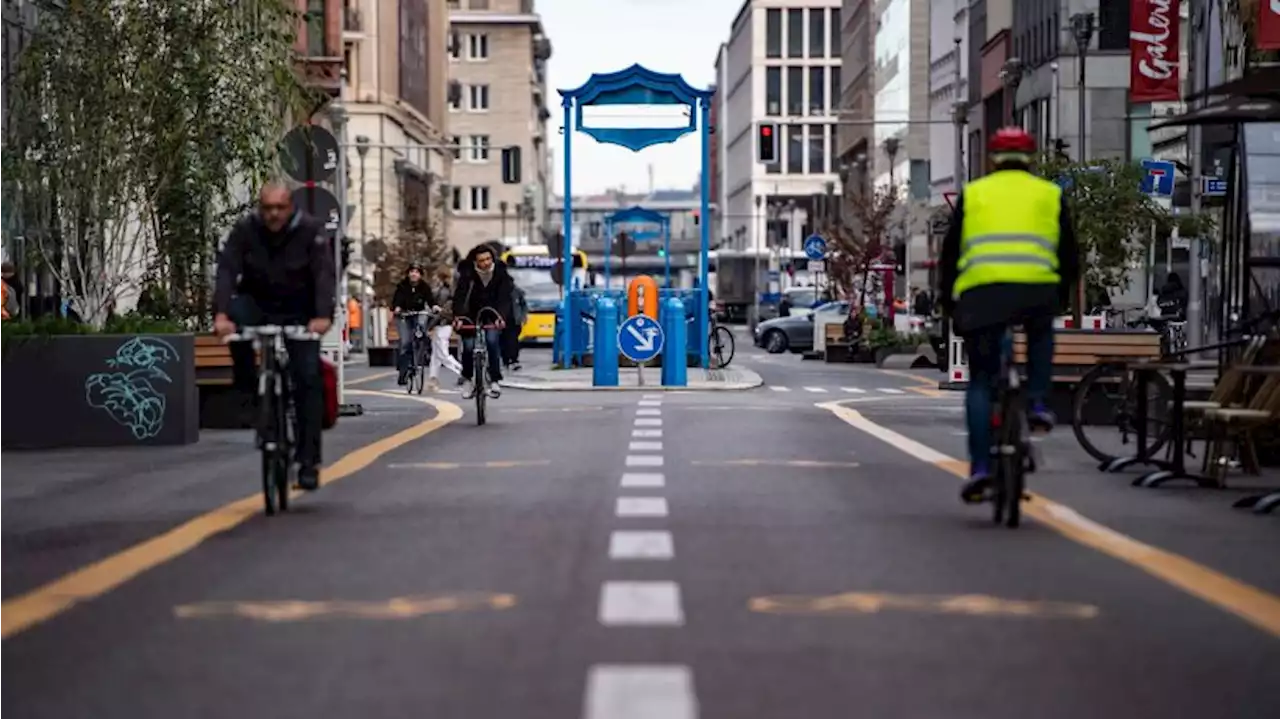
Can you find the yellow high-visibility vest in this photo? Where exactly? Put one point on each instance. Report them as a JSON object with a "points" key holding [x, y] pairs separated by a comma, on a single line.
{"points": [[1009, 232]]}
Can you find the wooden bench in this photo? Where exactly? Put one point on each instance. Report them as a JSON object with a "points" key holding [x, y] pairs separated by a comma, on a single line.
{"points": [[1077, 351], [213, 361], [221, 407]]}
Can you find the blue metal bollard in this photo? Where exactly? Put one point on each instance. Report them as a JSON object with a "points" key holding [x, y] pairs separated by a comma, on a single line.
{"points": [[559, 355], [674, 357], [604, 372]]}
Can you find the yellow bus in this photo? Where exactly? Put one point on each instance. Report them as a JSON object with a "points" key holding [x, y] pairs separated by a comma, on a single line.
{"points": [[531, 267]]}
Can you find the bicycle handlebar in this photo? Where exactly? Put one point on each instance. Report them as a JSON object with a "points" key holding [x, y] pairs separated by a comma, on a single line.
{"points": [[415, 313], [292, 332], [471, 324]]}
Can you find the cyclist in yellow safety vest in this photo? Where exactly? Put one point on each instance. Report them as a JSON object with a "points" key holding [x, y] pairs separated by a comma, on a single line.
{"points": [[1010, 258]]}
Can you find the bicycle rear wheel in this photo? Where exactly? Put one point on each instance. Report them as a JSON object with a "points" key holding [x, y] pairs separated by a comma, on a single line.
{"points": [[1106, 400], [722, 346], [1010, 464]]}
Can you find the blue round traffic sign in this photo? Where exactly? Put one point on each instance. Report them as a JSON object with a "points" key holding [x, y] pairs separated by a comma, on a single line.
{"points": [[640, 338], [815, 248]]}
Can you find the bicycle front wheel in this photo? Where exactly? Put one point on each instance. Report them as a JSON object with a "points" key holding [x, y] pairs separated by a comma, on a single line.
{"points": [[722, 345], [1106, 400], [480, 400], [269, 436]]}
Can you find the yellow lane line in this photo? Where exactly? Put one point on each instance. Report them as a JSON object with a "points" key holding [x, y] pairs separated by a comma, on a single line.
{"points": [[491, 464], [873, 603], [26, 610], [369, 378], [1256, 606], [295, 610], [933, 382]]}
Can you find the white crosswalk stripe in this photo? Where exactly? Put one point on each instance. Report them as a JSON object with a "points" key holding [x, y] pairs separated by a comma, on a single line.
{"points": [[890, 390], [814, 389], [776, 388], [853, 390]]}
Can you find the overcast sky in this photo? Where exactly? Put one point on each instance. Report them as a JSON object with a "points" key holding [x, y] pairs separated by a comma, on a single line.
{"points": [[679, 36]]}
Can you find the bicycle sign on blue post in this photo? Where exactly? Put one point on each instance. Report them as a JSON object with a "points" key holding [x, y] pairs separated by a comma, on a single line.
{"points": [[640, 338], [815, 248]]}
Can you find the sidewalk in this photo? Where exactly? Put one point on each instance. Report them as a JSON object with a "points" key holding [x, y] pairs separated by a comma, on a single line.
{"points": [[579, 380]]}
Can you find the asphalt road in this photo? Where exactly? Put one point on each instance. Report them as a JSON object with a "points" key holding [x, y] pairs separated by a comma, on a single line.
{"points": [[770, 553]]}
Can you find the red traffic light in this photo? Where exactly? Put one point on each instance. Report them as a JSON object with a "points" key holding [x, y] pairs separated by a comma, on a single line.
{"points": [[766, 130]]}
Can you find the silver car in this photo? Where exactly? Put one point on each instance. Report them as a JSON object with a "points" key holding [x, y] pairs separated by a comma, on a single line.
{"points": [[793, 333]]}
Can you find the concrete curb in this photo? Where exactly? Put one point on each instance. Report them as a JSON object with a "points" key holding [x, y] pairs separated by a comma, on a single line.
{"points": [[751, 380]]}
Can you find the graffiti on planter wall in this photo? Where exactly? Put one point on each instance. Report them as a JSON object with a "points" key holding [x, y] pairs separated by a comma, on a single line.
{"points": [[132, 392]]}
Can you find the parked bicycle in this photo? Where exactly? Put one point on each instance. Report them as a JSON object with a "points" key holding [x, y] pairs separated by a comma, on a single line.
{"points": [[277, 421], [480, 356], [416, 374], [720, 338], [1110, 390]]}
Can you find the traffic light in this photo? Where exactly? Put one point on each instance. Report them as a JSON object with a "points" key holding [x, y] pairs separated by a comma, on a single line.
{"points": [[900, 258], [511, 165], [767, 143]]}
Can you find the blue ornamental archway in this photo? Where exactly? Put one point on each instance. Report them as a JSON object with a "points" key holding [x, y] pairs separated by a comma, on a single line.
{"points": [[638, 85]]}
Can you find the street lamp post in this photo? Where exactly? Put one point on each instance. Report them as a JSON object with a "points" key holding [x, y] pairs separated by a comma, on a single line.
{"points": [[1011, 77], [1082, 32], [755, 285], [502, 211], [362, 148]]}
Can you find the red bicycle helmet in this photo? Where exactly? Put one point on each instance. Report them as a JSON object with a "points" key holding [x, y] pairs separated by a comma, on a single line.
{"points": [[1012, 141]]}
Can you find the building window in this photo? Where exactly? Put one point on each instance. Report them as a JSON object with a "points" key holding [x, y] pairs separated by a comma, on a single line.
{"points": [[480, 199], [1113, 26], [479, 4], [817, 149], [455, 46], [315, 28], [773, 91], [795, 91], [455, 193], [773, 33], [479, 98], [456, 141], [836, 91], [836, 49], [479, 148], [817, 91], [795, 149], [818, 32], [478, 47], [795, 33], [455, 103]]}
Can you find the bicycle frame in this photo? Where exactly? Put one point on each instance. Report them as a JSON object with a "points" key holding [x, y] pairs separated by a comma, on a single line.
{"points": [[480, 355]]}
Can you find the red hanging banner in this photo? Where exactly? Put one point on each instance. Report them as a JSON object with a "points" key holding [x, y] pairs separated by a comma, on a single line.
{"points": [[1153, 50], [1269, 25]]}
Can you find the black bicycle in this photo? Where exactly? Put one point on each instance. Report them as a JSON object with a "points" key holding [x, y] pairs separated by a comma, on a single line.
{"points": [[416, 379], [720, 340], [1011, 441], [277, 428], [480, 357]]}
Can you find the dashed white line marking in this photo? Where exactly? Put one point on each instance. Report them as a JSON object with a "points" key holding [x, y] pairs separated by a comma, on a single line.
{"points": [[650, 403], [651, 396], [643, 479], [815, 389], [853, 390], [776, 388], [890, 390], [630, 544], [652, 433], [644, 460], [640, 604], [641, 507], [645, 447], [640, 691], [648, 412], [648, 422]]}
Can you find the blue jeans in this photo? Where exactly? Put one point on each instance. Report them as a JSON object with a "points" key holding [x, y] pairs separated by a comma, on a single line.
{"points": [[984, 348], [405, 327], [492, 342]]}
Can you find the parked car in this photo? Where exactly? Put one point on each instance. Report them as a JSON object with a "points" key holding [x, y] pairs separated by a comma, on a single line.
{"points": [[794, 332]]}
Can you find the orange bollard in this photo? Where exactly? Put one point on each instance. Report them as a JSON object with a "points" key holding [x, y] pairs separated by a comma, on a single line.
{"points": [[642, 297]]}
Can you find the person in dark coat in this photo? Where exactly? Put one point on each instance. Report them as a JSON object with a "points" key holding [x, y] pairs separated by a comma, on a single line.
{"points": [[483, 284], [413, 294]]}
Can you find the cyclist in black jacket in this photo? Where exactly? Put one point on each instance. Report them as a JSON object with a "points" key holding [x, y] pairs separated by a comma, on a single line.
{"points": [[412, 295], [277, 268]]}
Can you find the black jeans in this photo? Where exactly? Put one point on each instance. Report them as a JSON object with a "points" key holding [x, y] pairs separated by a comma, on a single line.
{"points": [[304, 371], [511, 344]]}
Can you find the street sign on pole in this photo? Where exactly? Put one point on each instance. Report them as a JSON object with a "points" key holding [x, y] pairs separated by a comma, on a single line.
{"points": [[816, 266], [1158, 178], [1213, 186], [320, 203], [310, 154], [815, 248], [640, 338]]}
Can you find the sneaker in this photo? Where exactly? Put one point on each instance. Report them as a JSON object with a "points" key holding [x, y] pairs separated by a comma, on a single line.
{"points": [[469, 392], [515, 367], [975, 490], [433, 385], [494, 392], [1041, 418], [309, 478]]}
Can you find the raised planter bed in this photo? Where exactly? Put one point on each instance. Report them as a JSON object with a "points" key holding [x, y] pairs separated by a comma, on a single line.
{"points": [[99, 391]]}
